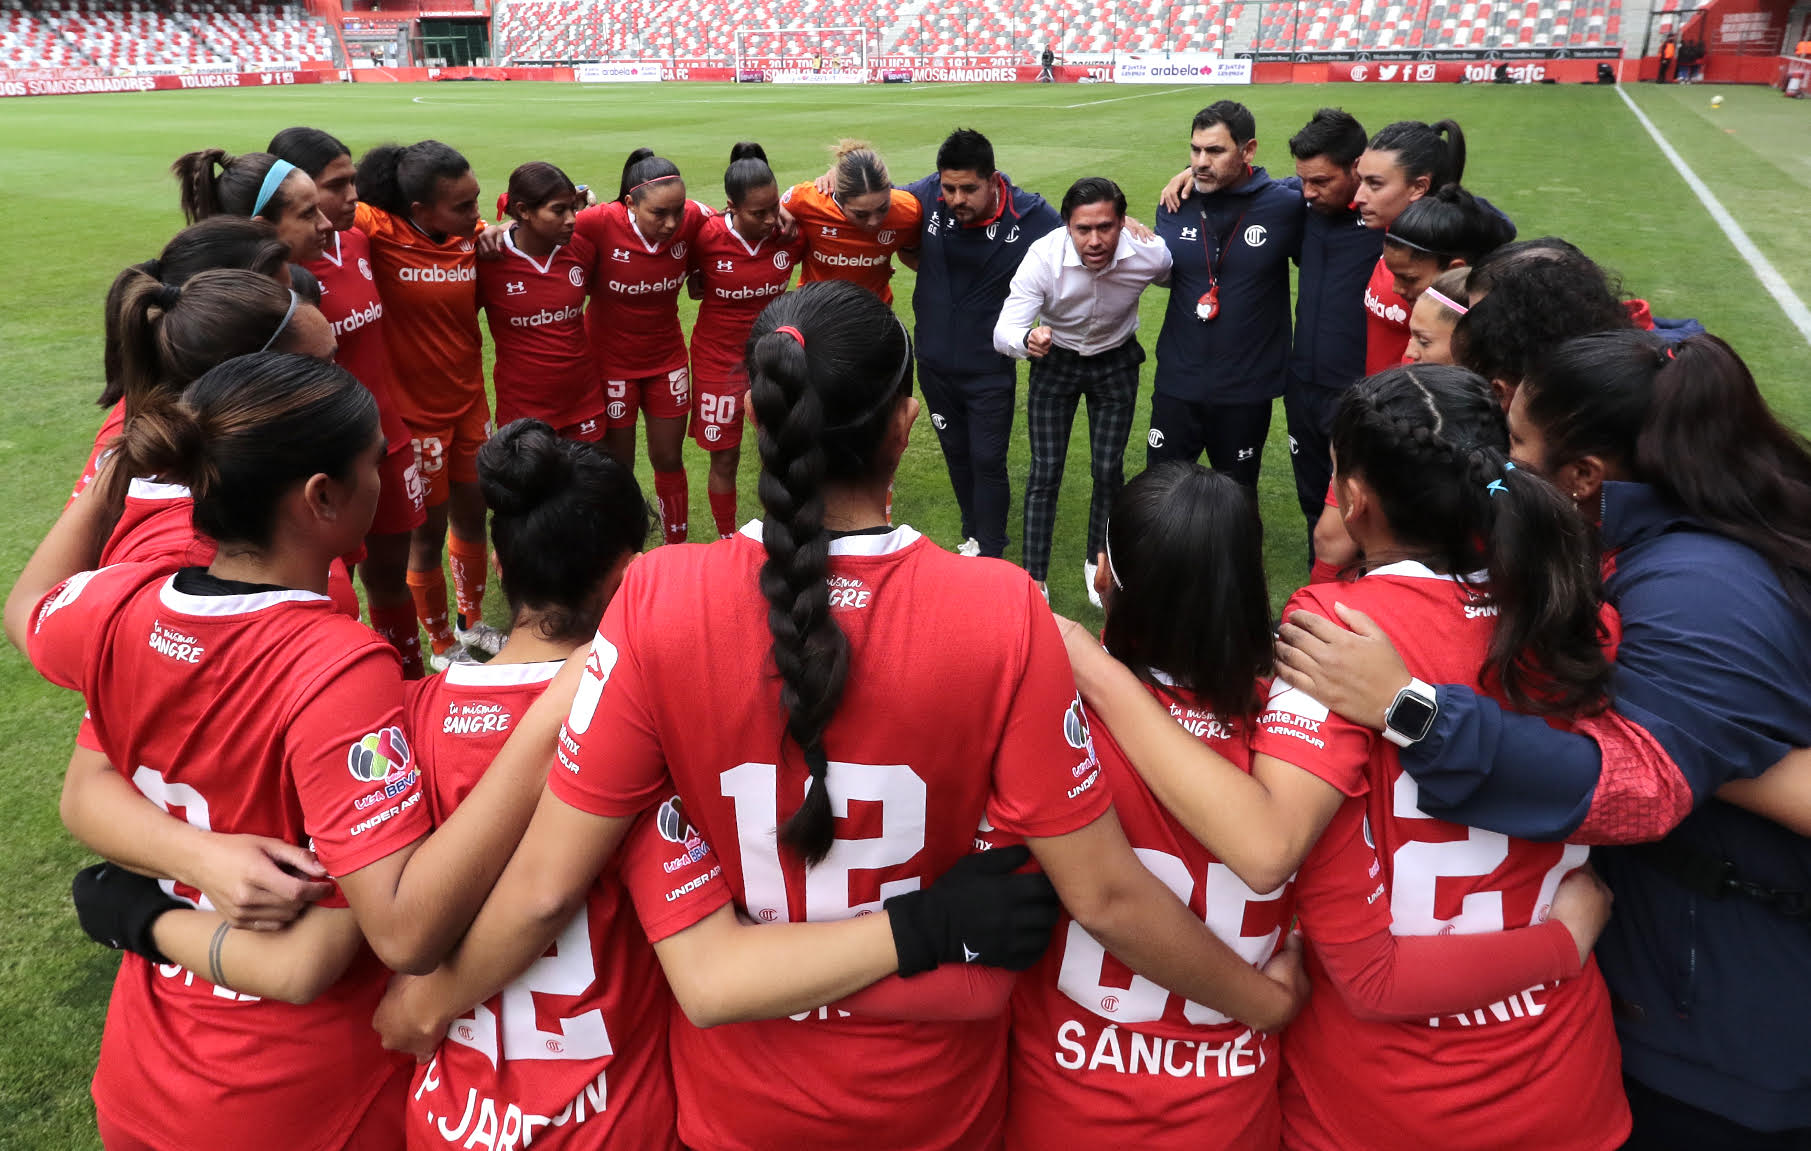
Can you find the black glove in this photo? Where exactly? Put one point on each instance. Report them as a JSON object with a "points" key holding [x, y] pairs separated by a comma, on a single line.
{"points": [[117, 907], [977, 912]]}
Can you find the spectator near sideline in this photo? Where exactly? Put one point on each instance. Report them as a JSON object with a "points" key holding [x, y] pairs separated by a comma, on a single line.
{"points": [[1338, 254], [1224, 348], [1047, 66], [1074, 312], [977, 227]]}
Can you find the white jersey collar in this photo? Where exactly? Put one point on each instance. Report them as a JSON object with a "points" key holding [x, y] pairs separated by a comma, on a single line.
{"points": [[900, 538], [495, 674]]}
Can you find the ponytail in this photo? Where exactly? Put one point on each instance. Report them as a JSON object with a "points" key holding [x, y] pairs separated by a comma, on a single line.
{"points": [[217, 242], [747, 171], [1431, 442], [1436, 151], [823, 393], [394, 177], [641, 168], [247, 431], [236, 190]]}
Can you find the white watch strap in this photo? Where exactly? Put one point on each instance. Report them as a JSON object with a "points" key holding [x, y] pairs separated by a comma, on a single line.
{"points": [[1416, 687]]}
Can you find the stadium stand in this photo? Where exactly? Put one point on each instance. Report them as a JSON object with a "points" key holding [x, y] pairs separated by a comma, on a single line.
{"points": [[188, 34]]}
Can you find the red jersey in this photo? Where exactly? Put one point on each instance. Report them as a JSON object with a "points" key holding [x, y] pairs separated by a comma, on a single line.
{"points": [[1386, 321], [350, 301], [839, 250], [739, 280], [1102, 1056], [268, 714], [634, 318], [930, 736], [157, 526], [575, 1049], [536, 313], [103, 440], [1539, 1069], [430, 294]]}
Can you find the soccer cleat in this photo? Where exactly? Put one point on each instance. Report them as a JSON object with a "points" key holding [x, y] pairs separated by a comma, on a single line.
{"points": [[970, 547], [481, 638], [1089, 571], [458, 653]]}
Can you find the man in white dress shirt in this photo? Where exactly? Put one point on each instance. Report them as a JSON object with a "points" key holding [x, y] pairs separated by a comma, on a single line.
{"points": [[1073, 311]]}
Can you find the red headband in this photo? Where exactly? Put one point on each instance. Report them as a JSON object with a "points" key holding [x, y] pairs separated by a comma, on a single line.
{"points": [[789, 330], [655, 180]]}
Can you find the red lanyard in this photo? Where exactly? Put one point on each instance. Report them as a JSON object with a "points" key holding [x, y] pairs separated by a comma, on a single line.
{"points": [[1214, 264]]}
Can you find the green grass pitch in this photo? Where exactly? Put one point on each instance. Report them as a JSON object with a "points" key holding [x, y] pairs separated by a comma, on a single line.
{"points": [[87, 181]]}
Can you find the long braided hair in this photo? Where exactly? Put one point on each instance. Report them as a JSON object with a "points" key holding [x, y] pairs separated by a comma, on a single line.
{"points": [[1432, 443], [823, 394]]}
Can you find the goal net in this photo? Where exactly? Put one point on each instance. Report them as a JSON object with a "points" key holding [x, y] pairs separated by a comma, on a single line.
{"points": [[803, 55]]}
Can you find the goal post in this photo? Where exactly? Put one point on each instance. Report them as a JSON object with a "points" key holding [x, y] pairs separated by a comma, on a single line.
{"points": [[806, 55]]}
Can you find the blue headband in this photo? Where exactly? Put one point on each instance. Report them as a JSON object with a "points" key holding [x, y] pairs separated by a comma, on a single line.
{"points": [[273, 180]]}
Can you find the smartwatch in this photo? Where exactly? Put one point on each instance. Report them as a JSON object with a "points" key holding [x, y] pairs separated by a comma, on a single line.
{"points": [[1411, 714]]}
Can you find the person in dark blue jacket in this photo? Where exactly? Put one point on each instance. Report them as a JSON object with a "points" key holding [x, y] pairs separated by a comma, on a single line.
{"points": [[977, 226], [1705, 506], [1338, 255], [1223, 352]]}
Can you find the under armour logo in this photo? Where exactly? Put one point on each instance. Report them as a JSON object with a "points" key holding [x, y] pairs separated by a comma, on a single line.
{"points": [[1247, 453], [726, 265], [969, 955], [830, 233], [1190, 234], [620, 255], [517, 288]]}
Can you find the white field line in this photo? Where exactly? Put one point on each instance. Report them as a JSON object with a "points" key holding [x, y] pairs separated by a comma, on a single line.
{"points": [[1764, 271]]}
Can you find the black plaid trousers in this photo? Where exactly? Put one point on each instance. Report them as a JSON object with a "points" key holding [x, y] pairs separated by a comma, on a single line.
{"points": [[1059, 380]]}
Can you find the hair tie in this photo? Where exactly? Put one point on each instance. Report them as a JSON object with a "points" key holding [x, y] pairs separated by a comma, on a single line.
{"points": [[1670, 352], [789, 330], [168, 295], [1445, 301], [273, 179], [653, 180], [153, 267], [1497, 487], [293, 301]]}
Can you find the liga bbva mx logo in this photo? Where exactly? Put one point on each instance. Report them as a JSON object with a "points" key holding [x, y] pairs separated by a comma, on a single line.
{"points": [[379, 755]]}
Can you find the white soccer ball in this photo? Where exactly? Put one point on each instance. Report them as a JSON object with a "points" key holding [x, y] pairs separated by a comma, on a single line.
{"points": [[1716, 101]]}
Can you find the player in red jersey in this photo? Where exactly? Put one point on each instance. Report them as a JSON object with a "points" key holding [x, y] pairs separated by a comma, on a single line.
{"points": [[1437, 312], [853, 220], [896, 741], [642, 241], [247, 706], [1405, 161], [217, 242], [419, 206], [168, 337], [259, 185], [1099, 1056], [739, 264], [1420, 452], [533, 295], [350, 301]]}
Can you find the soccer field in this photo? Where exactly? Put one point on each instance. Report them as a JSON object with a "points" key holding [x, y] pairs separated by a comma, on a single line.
{"points": [[89, 178]]}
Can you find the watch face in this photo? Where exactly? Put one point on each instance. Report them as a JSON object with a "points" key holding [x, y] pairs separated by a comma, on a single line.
{"points": [[1411, 716]]}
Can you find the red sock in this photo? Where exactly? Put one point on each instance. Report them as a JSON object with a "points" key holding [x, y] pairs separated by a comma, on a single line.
{"points": [[675, 498], [397, 625], [470, 568], [428, 590], [723, 510]]}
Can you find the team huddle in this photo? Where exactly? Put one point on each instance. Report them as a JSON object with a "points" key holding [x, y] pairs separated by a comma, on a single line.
{"points": [[820, 834]]}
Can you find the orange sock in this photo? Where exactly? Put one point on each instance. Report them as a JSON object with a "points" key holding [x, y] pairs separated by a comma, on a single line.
{"points": [[675, 499], [723, 510], [428, 590], [471, 568], [397, 625]]}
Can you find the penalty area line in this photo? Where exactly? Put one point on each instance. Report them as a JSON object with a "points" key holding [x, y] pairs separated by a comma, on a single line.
{"points": [[1117, 99], [1763, 268]]}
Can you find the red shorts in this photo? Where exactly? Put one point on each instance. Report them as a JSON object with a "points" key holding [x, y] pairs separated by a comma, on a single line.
{"points": [[584, 431], [717, 416], [664, 397], [449, 452], [402, 504]]}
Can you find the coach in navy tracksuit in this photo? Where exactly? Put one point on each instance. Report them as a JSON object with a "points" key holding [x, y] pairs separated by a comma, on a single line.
{"points": [[1338, 255], [1224, 349], [977, 226]]}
